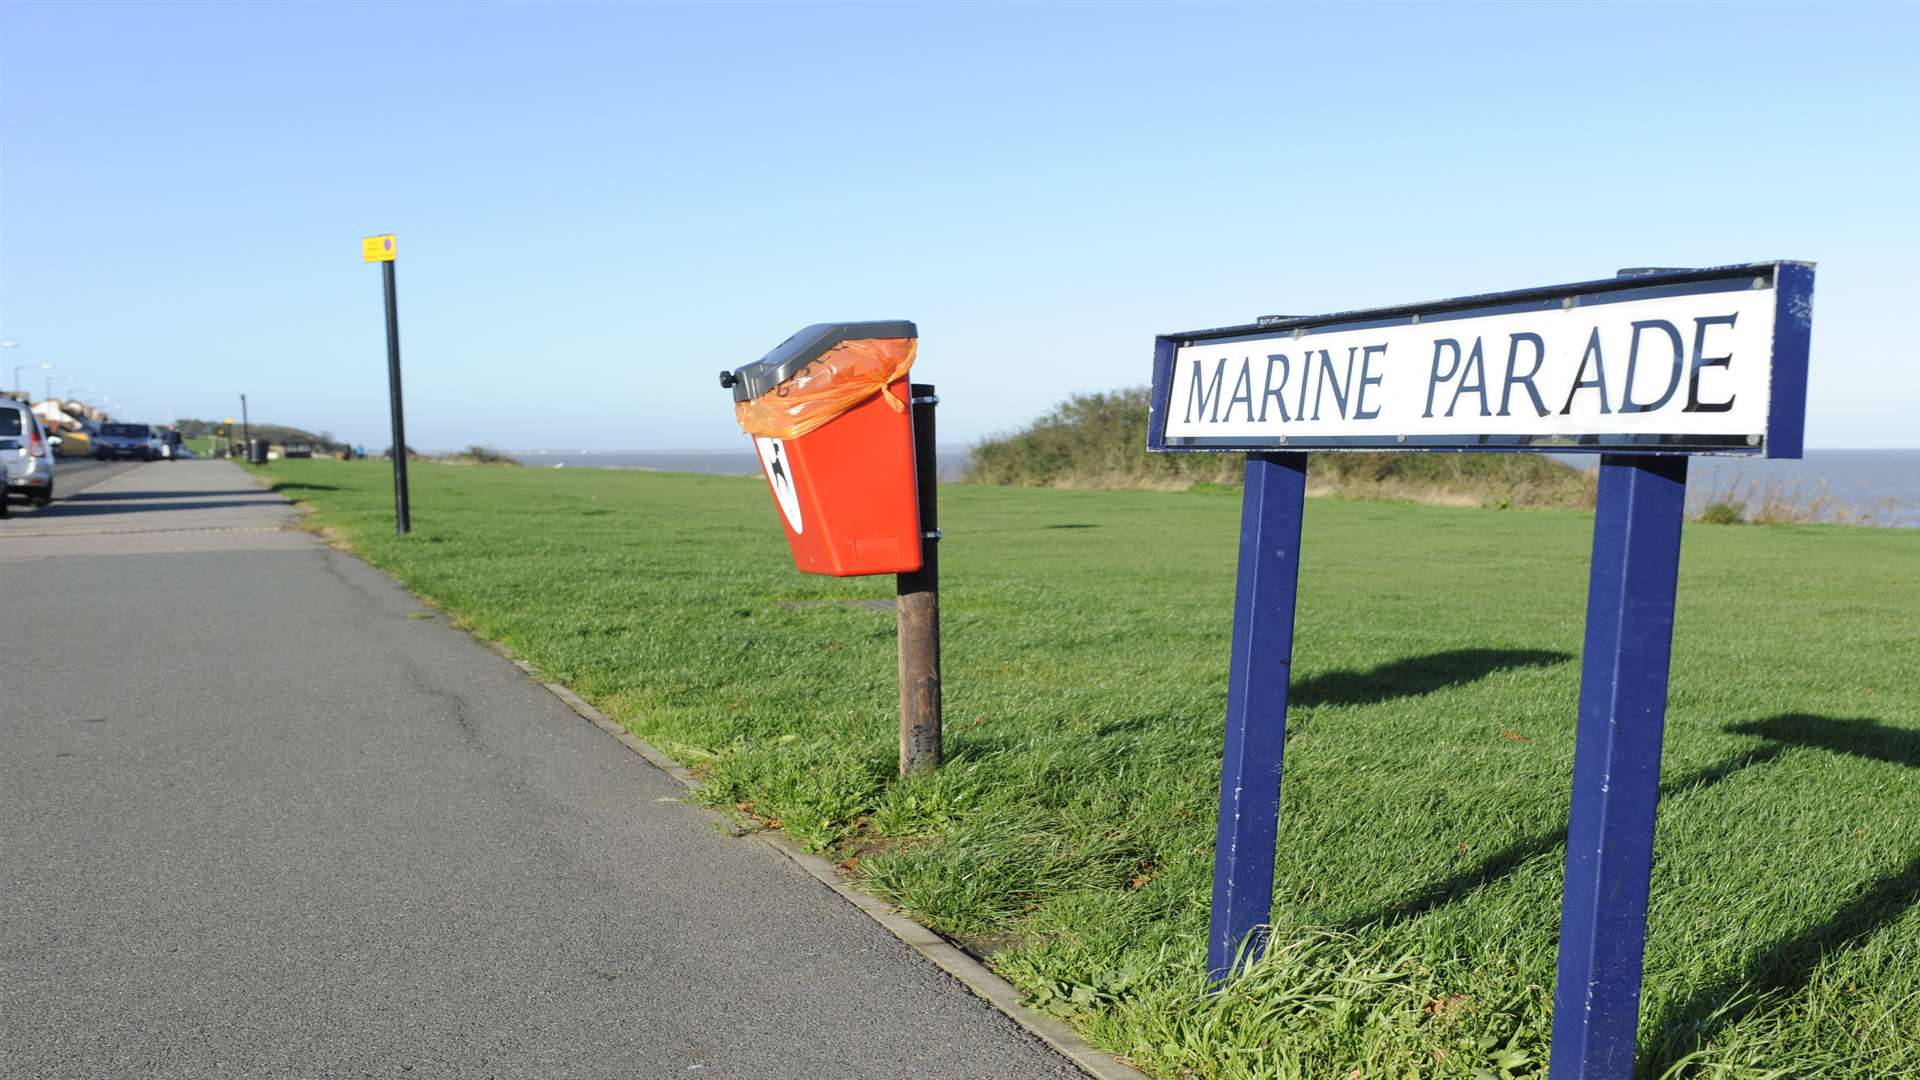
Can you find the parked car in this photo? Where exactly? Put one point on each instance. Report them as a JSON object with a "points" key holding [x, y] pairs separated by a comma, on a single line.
{"points": [[26, 455], [75, 442], [126, 441]]}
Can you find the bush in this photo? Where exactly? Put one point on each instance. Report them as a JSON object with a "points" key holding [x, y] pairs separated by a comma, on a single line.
{"points": [[1096, 441], [485, 455], [1100, 441]]}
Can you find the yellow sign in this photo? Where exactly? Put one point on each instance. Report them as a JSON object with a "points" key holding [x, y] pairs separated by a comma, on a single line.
{"points": [[377, 248]]}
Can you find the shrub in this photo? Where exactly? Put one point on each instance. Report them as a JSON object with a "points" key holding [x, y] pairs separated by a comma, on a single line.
{"points": [[1100, 441]]}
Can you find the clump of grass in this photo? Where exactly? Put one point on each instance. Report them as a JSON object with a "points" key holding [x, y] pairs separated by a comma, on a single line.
{"points": [[1352, 1006], [1098, 441], [1722, 513]]}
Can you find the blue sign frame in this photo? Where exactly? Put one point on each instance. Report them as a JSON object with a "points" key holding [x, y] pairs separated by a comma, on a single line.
{"points": [[1623, 684], [1792, 283]]}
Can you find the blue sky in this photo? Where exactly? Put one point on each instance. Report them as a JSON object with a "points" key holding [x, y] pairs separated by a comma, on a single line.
{"points": [[600, 206]]}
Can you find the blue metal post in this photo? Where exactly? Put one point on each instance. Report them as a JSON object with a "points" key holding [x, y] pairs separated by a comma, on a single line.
{"points": [[1243, 852], [1616, 765]]}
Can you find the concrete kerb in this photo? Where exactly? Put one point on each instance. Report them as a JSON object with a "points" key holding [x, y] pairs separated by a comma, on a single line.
{"points": [[937, 950]]}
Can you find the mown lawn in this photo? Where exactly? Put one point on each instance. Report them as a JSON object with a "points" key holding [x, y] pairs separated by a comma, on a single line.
{"points": [[1429, 751]]}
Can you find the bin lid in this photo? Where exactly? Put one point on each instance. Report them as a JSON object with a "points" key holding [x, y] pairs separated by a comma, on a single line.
{"points": [[803, 348]]}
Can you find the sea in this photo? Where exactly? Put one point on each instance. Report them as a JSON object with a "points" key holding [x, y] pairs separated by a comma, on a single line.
{"points": [[1866, 487], [1860, 487], [952, 460]]}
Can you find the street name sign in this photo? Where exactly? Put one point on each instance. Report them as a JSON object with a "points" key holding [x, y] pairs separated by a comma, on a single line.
{"points": [[1695, 361], [1645, 369]]}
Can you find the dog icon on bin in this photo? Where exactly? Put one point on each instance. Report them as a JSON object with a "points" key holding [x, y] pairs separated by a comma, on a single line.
{"points": [[773, 458]]}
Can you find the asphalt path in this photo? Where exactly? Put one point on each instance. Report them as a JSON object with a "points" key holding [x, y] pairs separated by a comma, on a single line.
{"points": [[263, 814]]}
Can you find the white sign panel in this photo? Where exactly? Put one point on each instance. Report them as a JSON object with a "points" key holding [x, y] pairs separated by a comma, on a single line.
{"points": [[1683, 367]]}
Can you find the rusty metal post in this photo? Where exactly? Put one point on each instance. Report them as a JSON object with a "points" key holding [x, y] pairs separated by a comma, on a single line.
{"points": [[917, 607]]}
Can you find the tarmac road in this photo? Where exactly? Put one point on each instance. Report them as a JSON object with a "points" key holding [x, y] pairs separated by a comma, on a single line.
{"points": [[261, 814]]}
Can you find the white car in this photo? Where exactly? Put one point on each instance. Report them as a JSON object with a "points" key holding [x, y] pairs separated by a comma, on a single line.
{"points": [[26, 455]]}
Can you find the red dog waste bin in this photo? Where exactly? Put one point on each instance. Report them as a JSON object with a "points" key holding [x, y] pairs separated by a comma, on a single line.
{"points": [[830, 414]]}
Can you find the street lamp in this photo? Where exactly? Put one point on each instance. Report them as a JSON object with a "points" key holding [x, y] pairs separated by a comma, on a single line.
{"points": [[18, 368]]}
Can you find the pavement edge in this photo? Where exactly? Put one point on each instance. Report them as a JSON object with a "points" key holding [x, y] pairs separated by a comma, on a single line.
{"points": [[937, 950], [940, 952]]}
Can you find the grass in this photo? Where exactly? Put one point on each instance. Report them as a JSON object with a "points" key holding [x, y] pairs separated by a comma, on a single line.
{"points": [[1429, 748]]}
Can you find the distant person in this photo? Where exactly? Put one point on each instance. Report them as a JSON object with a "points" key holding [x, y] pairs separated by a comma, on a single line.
{"points": [[360, 452]]}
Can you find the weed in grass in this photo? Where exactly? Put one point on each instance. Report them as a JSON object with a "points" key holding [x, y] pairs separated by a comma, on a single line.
{"points": [[1429, 748]]}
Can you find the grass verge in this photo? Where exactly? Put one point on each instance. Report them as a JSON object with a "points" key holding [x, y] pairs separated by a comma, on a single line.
{"points": [[1069, 837]]}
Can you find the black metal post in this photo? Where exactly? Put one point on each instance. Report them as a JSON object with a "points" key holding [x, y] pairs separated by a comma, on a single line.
{"points": [[402, 517], [917, 606], [246, 429]]}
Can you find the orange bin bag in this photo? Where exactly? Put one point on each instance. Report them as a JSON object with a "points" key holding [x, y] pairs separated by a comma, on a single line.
{"points": [[837, 380]]}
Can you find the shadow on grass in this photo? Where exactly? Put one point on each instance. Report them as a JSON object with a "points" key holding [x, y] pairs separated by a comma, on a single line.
{"points": [[285, 486], [1857, 738], [1412, 676], [1510, 858], [1785, 965], [1416, 676]]}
